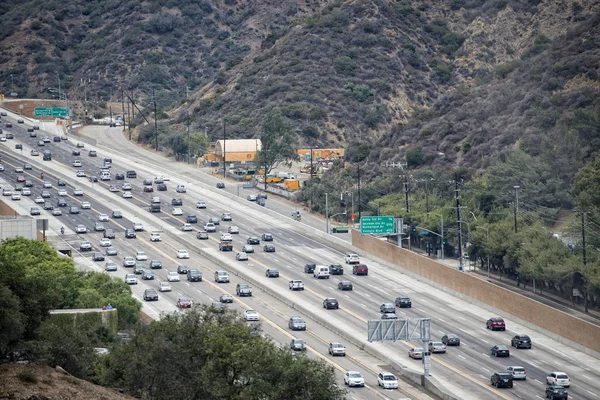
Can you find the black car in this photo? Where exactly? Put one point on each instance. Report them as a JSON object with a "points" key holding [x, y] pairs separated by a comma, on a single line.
{"points": [[521, 342], [76, 153], [403, 302], [556, 392], [193, 275], [253, 240], [269, 248], [191, 219], [130, 234], [310, 268], [98, 257], [272, 273], [92, 153], [214, 220], [29, 129], [450, 339], [117, 214], [267, 237], [61, 183], [147, 182], [119, 176], [148, 275], [500, 350], [345, 285], [502, 379], [131, 174], [56, 139], [161, 187], [330, 302], [148, 189], [150, 295], [61, 203], [220, 185], [93, 178], [182, 269], [176, 202], [155, 264], [336, 269]]}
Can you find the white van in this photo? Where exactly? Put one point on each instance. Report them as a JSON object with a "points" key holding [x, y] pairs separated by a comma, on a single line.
{"points": [[105, 176], [321, 272], [180, 188]]}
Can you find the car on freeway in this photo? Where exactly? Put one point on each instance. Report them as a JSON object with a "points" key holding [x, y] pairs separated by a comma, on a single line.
{"points": [[114, 189], [119, 176], [8, 192], [138, 227], [128, 261], [35, 211], [127, 195], [352, 259], [117, 214], [184, 302], [502, 379], [38, 200], [84, 245], [387, 308], [220, 185], [62, 192], [253, 240], [500, 350], [111, 251], [296, 284], [345, 285], [110, 266], [127, 186], [336, 269], [233, 230], [104, 242], [269, 248], [360, 269], [147, 275], [496, 323], [102, 217], [251, 315], [387, 380], [155, 264], [20, 178], [214, 220], [161, 187], [210, 227], [272, 273], [42, 142], [202, 235], [57, 212], [558, 378], [173, 276], [331, 302], [297, 323], [403, 302], [354, 378], [556, 392], [416, 353], [241, 256], [99, 227], [248, 249], [309, 268], [521, 341], [183, 254], [517, 372], [109, 234], [191, 219], [16, 196], [187, 228], [267, 237], [226, 237], [251, 197], [150, 295], [389, 316], [141, 255], [77, 192], [450, 339], [80, 174], [45, 194], [193, 275], [226, 217], [26, 192], [27, 167], [8, 125], [437, 347], [92, 153], [131, 279], [177, 211], [138, 269], [93, 178], [243, 289], [164, 287], [336, 349], [72, 209], [81, 229], [200, 204], [226, 298], [176, 202], [182, 269], [221, 277], [297, 344]]}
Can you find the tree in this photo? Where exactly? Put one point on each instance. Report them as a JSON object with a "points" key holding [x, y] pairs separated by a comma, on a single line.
{"points": [[586, 186], [277, 141]]}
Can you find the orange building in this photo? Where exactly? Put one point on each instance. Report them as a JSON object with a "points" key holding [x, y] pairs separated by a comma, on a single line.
{"points": [[237, 150]]}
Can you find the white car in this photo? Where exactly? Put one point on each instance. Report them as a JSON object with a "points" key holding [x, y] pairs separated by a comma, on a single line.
{"points": [[57, 212], [47, 185], [141, 256], [26, 192], [352, 259], [77, 192], [16, 196], [353, 378], [558, 378], [187, 227], [183, 254], [437, 347], [81, 229], [226, 237], [38, 199], [128, 261], [104, 242], [77, 164], [251, 315], [241, 257], [62, 192], [173, 276], [85, 205], [337, 349], [126, 186], [138, 227], [210, 227], [233, 230], [200, 204], [131, 279], [164, 287], [296, 284], [387, 380], [155, 237], [81, 173], [177, 211], [517, 372], [166, 178], [416, 353], [103, 218], [155, 200], [127, 195]]}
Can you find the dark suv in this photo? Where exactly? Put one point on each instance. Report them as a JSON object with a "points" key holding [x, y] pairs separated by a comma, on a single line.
{"points": [[176, 202], [502, 379], [310, 268], [556, 392], [191, 219], [521, 342], [193, 275], [403, 301], [336, 269]]}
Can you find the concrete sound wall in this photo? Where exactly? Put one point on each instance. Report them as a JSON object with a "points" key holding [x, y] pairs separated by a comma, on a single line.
{"points": [[556, 324]]}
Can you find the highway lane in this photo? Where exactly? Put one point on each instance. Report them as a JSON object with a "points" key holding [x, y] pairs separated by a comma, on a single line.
{"points": [[475, 326]]}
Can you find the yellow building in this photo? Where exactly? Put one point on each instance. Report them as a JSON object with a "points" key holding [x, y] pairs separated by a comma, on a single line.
{"points": [[237, 150]]}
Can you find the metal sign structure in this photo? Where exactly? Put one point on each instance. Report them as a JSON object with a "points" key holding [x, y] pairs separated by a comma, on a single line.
{"points": [[377, 225], [50, 112]]}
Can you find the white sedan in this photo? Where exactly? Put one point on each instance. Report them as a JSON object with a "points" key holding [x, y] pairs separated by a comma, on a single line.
{"points": [[177, 211], [62, 192], [77, 192], [233, 229], [81, 229], [226, 237], [38, 200], [173, 276], [85, 205], [164, 287], [241, 257], [183, 254], [104, 242], [354, 378], [155, 237], [103, 218], [127, 195], [251, 315], [187, 227]]}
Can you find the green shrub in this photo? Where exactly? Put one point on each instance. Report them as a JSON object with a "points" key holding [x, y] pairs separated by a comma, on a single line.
{"points": [[27, 377], [359, 92], [414, 157], [466, 147], [345, 65]]}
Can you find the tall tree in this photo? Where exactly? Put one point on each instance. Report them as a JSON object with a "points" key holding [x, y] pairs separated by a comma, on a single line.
{"points": [[278, 142]]}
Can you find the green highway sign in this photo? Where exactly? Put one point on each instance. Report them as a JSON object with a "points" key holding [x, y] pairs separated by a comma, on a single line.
{"points": [[376, 225], [50, 112]]}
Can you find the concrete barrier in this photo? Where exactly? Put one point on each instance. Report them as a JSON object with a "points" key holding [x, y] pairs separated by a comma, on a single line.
{"points": [[554, 323]]}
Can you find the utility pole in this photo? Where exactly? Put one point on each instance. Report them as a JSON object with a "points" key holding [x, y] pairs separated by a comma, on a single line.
{"points": [[132, 106], [406, 191], [585, 301], [12, 81], [189, 138], [311, 162], [155, 124], [123, 107], [129, 120], [224, 151], [110, 112], [460, 257], [359, 204], [516, 207], [326, 214]]}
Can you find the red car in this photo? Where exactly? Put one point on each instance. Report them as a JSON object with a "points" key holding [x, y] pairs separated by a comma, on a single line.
{"points": [[20, 178], [184, 303], [496, 323], [8, 125], [360, 269]]}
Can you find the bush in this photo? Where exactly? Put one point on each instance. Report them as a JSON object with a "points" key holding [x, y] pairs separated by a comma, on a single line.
{"points": [[345, 65], [359, 92], [466, 147], [27, 377], [414, 157]]}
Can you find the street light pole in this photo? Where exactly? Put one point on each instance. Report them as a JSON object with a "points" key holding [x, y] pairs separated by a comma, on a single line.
{"points": [[442, 231], [516, 207], [487, 235], [326, 214]]}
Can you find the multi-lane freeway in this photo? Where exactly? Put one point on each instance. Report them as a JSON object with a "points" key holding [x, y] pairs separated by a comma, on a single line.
{"points": [[466, 370]]}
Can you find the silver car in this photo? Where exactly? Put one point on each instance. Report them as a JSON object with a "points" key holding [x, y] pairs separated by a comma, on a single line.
{"points": [[297, 324], [437, 347], [517, 372]]}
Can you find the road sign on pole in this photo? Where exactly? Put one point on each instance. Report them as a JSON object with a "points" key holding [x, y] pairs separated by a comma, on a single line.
{"points": [[374, 225], [50, 112]]}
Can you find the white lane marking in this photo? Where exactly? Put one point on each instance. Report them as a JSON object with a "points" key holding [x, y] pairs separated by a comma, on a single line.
{"points": [[441, 332], [464, 358], [462, 330], [487, 355], [483, 340], [485, 369], [540, 382], [363, 305], [586, 377], [367, 295], [592, 393], [533, 365], [464, 319], [539, 397], [442, 310], [346, 296], [423, 311], [289, 266], [439, 319], [294, 258]]}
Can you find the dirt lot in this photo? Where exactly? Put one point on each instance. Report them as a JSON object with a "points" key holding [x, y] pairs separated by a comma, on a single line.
{"points": [[38, 382]]}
